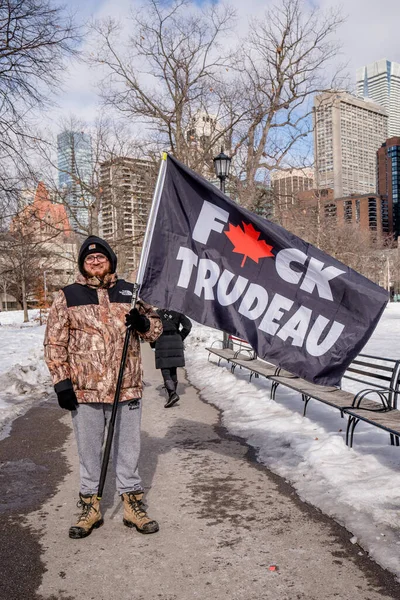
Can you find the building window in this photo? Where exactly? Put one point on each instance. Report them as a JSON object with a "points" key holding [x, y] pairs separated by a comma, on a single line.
{"points": [[358, 210], [372, 217], [385, 215], [330, 210], [348, 210]]}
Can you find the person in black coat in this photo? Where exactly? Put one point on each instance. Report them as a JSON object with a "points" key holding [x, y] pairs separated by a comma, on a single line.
{"points": [[169, 349]]}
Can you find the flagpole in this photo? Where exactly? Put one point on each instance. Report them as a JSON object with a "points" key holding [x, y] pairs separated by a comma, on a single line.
{"points": [[136, 286], [152, 218]]}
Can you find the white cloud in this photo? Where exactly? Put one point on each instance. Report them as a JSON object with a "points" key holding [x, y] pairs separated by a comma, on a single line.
{"points": [[79, 95], [370, 33]]}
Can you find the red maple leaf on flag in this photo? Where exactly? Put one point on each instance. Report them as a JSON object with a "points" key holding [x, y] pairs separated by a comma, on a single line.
{"points": [[246, 242]]}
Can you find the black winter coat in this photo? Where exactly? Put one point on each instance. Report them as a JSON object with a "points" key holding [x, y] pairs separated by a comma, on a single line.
{"points": [[169, 346]]}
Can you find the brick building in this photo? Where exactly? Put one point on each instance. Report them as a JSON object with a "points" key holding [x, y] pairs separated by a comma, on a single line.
{"points": [[47, 249], [365, 210]]}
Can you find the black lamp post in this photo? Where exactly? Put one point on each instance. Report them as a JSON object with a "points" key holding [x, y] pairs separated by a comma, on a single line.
{"points": [[222, 163]]}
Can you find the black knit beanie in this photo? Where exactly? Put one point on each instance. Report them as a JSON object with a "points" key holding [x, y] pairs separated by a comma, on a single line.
{"points": [[94, 245]]}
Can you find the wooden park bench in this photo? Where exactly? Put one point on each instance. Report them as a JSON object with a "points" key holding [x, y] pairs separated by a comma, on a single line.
{"points": [[240, 350], [242, 355], [375, 403]]}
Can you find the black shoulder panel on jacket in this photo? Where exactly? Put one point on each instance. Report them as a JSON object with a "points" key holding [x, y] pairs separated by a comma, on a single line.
{"points": [[121, 292], [79, 295]]}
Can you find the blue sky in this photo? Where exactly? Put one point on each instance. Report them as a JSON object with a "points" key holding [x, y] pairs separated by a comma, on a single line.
{"points": [[370, 33], [87, 7]]}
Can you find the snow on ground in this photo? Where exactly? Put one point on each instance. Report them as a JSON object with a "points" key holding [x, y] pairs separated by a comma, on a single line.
{"points": [[24, 378], [359, 487]]}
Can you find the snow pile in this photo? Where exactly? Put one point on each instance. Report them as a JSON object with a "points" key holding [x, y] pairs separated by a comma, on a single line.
{"points": [[24, 378], [15, 318], [359, 487]]}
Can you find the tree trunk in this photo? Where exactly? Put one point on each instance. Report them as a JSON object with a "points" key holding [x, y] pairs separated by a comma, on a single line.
{"points": [[94, 215], [24, 302], [5, 307]]}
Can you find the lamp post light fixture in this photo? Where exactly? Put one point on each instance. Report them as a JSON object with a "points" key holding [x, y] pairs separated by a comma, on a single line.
{"points": [[222, 164]]}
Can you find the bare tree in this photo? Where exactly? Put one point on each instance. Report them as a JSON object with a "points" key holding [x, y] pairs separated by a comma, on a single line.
{"points": [[22, 263], [106, 140], [103, 185], [363, 250], [33, 244], [286, 61], [255, 102], [35, 38], [171, 79]]}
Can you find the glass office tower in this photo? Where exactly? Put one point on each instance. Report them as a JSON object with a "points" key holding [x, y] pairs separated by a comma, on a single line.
{"points": [[75, 173], [380, 81]]}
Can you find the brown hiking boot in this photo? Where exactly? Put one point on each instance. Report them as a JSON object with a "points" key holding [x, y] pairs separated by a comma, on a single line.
{"points": [[135, 514], [90, 517]]}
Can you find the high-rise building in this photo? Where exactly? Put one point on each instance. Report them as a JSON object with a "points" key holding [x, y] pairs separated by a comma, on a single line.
{"points": [[380, 81], [127, 186], [287, 184], [75, 173], [347, 133], [389, 183]]}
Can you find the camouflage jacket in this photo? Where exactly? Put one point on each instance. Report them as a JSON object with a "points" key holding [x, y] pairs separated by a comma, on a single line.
{"points": [[85, 336]]}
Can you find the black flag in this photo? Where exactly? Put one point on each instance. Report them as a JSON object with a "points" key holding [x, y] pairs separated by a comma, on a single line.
{"points": [[228, 268]]}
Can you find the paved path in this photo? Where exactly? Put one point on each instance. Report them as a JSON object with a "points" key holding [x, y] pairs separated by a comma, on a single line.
{"points": [[224, 519]]}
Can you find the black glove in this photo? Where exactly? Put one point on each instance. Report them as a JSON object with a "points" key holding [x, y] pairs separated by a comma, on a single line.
{"points": [[137, 321], [67, 399]]}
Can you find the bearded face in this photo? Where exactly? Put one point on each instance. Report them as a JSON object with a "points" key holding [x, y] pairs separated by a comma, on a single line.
{"points": [[97, 265]]}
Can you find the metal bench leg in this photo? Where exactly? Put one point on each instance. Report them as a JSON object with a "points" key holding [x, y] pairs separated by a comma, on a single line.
{"points": [[394, 440], [306, 400], [233, 368], [251, 375], [352, 431], [347, 430], [273, 389], [351, 425]]}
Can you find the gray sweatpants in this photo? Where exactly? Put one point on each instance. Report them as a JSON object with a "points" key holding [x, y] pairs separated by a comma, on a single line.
{"points": [[89, 422]]}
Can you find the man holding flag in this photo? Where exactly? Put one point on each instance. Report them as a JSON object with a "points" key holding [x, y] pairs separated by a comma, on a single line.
{"points": [[83, 347]]}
